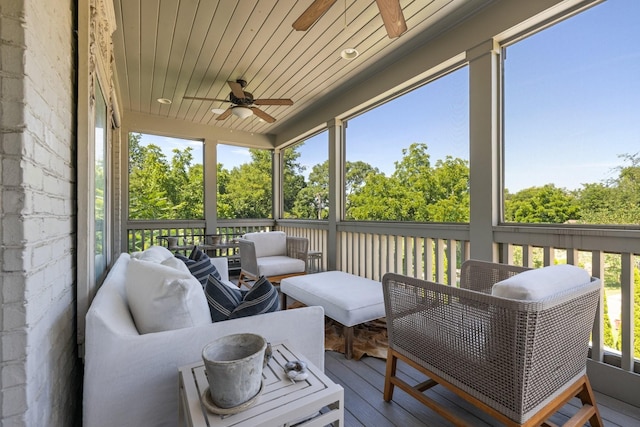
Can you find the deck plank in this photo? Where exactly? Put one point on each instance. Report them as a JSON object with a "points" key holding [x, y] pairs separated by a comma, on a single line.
{"points": [[363, 382]]}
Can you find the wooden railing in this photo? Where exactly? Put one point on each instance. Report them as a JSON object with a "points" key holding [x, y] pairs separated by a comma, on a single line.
{"points": [[142, 234]]}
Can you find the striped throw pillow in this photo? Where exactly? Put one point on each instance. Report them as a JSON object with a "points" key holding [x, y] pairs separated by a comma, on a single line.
{"points": [[200, 265], [262, 298]]}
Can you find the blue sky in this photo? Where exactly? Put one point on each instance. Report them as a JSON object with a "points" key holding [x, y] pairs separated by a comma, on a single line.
{"points": [[572, 106]]}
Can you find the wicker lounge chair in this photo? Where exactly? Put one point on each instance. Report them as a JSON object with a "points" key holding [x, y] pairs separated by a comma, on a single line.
{"points": [[518, 360], [272, 254]]}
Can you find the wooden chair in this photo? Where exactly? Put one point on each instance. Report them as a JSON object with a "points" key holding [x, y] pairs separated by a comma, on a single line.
{"points": [[518, 360]]}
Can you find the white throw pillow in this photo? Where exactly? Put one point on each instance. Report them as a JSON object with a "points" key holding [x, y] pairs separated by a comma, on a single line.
{"points": [[539, 283], [163, 298], [153, 254], [176, 263]]}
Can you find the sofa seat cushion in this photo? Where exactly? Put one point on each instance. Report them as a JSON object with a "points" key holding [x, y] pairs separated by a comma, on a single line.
{"points": [[162, 297], [277, 265], [226, 302], [537, 284], [268, 244]]}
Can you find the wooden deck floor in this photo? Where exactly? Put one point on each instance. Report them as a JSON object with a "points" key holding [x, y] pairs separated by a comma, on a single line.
{"points": [[363, 381]]}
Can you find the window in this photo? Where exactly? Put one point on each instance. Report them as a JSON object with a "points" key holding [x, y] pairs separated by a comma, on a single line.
{"points": [[408, 159], [571, 129], [244, 182], [306, 179], [166, 178], [100, 185]]}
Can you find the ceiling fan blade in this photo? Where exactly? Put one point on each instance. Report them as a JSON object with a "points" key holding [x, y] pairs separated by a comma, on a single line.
{"points": [[312, 14], [197, 98], [273, 102], [392, 17], [236, 88], [264, 116], [224, 115]]}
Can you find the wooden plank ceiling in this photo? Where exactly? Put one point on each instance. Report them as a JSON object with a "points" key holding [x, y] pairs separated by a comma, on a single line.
{"points": [[176, 48]]}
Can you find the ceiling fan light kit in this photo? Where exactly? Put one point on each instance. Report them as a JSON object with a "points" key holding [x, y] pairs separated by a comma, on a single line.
{"points": [[241, 112]]}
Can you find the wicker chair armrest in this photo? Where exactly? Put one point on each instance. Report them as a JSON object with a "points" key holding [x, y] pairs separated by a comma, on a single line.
{"points": [[248, 260], [480, 276], [298, 247]]}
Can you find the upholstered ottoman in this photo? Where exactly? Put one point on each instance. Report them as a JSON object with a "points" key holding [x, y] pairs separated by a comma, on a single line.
{"points": [[348, 299]]}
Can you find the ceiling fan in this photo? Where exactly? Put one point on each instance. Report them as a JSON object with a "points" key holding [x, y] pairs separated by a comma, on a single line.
{"points": [[390, 11], [244, 105]]}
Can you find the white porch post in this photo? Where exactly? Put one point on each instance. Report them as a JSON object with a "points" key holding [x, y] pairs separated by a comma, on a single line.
{"points": [[336, 189], [484, 152], [277, 161], [210, 172]]}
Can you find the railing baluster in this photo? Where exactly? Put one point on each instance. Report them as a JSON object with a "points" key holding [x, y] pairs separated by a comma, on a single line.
{"points": [[626, 281], [597, 335]]}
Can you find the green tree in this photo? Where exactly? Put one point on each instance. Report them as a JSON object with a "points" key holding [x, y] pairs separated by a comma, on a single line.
{"points": [[148, 183], [293, 181], [162, 189], [312, 202], [616, 201], [248, 189], [547, 204], [416, 191], [609, 341]]}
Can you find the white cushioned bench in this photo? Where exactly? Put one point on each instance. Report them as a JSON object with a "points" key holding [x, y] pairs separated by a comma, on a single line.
{"points": [[348, 299]]}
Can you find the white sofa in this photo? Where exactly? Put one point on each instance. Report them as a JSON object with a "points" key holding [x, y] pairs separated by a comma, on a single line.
{"points": [[132, 379]]}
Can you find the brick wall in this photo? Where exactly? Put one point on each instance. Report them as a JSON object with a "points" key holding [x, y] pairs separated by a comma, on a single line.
{"points": [[40, 371]]}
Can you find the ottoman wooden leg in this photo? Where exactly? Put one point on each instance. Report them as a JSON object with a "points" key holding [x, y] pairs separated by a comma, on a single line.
{"points": [[348, 342]]}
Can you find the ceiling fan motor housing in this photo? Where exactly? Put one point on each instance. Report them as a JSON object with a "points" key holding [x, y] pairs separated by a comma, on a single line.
{"points": [[246, 101]]}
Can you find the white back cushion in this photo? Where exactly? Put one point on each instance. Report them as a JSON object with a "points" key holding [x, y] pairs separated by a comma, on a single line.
{"points": [[153, 254], [163, 298], [539, 283], [271, 243]]}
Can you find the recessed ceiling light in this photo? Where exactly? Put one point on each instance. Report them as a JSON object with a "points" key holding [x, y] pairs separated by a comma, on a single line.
{"points": [[164, 100], [218, 110], [349, 53]]}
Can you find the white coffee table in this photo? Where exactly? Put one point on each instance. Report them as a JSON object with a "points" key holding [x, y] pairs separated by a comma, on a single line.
{"points": [[282, 402]]}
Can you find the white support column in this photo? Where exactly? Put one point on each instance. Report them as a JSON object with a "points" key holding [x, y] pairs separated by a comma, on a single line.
{"points": [[277, 161], [336, 188], [484, 152], [210, 171]]}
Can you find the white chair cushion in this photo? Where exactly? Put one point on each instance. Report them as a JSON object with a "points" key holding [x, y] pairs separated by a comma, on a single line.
{"points": [[277, 265], [163, 298], [539, 283], [153, 254], [271, 243]]}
